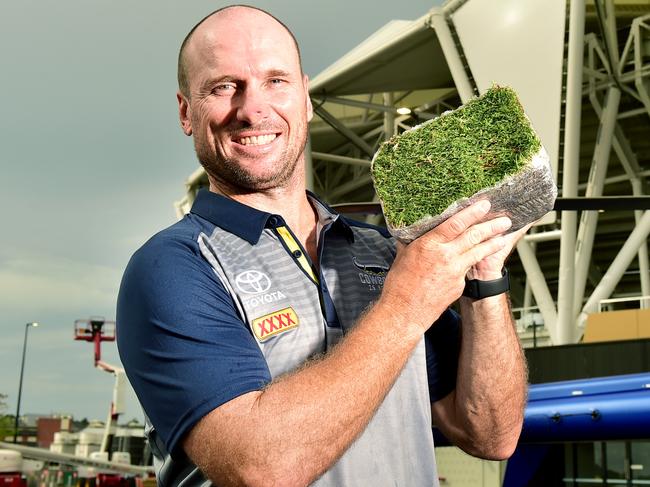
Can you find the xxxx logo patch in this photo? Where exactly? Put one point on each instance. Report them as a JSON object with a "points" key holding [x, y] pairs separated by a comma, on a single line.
{"points": [[275, 323]]}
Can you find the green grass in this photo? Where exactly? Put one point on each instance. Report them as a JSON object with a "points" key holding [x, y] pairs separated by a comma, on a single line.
{"points": [[421, 172]]}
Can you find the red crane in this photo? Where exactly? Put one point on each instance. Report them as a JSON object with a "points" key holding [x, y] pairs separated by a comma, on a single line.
{"points": [[96, 329]]}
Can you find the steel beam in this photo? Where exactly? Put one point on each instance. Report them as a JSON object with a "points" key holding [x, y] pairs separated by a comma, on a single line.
{"points": [[350, 186], [438, 22], [528, 295], [618, 267], [357, 103], [543, 298], [324, 156], [610, 34], [644, 261], [625, 153], [632, 113], [589, 219], [627, 77], [389, 116], [641, 89], [633, 173], [528, 290], [571, 162], [343, 130], [543, 236], [389, 131]]}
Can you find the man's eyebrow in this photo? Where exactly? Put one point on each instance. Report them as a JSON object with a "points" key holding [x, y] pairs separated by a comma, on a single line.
{"points": [[278, 73]]}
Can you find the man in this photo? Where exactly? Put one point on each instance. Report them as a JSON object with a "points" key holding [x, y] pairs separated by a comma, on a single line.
{"points": [[261, 333]]}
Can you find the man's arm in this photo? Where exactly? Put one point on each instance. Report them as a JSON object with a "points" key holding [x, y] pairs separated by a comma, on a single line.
{"points": [[484, 414], [296, 428]]}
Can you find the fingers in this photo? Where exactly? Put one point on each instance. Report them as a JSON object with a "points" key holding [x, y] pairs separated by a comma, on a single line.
{"points": [[471, 236], [474, 243], [483, 250], [454, 226], [483, 231]]}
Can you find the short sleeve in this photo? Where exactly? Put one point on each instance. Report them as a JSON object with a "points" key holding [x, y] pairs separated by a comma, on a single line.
{"points": [[442, 343], [184, 348]]}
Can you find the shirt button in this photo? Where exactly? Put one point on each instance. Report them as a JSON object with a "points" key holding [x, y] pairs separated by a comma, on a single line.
{"points": [[273, 221], [297, 254]]}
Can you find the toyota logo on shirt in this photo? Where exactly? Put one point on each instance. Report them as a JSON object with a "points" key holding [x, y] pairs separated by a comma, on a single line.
{"points": [[252, 282]]}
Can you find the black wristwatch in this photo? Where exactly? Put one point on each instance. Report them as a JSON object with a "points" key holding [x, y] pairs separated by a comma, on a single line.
{"points": [[477, 289]]}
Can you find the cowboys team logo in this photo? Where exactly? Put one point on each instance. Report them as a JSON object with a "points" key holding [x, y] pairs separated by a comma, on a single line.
{"points": [[370, 268], [252, 282], [372, 274]]}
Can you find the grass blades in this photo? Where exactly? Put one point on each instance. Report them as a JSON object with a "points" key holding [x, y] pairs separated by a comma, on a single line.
{"points": [[421, 172]]}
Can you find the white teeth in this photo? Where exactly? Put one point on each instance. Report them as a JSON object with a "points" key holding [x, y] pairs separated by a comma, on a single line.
{"points": [[257, 139]]}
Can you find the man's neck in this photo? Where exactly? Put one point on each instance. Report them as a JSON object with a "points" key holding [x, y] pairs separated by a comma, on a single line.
{"points": [[290, 202]]}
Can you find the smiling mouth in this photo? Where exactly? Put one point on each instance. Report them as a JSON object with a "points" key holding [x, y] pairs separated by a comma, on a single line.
{"points": [[257, 139]]}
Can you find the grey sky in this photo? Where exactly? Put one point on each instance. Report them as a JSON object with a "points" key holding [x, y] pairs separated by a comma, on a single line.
{"points": [[92, 159]]}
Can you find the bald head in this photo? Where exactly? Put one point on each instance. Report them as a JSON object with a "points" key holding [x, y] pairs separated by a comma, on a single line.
{"points": [[183, 61]]}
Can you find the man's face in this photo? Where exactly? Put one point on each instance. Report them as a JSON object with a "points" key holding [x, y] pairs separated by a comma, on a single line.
{"points": [[249, 107]]}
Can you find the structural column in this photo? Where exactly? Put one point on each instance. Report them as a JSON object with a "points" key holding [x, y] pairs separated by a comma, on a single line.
{"points": [[571, 162], [589, 219], [455, 63], [535, 278], [644, 262]]}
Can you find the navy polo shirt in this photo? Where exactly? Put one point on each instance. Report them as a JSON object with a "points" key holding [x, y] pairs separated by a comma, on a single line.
{"points": [[226, 299]]}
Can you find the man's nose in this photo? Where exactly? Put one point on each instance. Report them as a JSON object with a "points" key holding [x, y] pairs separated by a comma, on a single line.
{"points": [[252, 105]]}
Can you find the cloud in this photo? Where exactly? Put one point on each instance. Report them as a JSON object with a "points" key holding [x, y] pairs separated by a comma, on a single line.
{"points": [[46, 283]]}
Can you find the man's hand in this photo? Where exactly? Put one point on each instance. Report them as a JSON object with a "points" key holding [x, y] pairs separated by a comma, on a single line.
{"points": [[490, 267], [429, 273]]}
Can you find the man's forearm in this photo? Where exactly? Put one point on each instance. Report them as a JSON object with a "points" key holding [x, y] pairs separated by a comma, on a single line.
{"points": [[492, 376], [311, 416]]}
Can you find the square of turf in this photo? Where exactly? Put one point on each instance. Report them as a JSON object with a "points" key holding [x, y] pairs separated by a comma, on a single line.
{"points": [[419, 173]]}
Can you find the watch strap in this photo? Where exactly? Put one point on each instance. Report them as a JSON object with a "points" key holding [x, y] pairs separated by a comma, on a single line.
{"points": [[478, 289]]}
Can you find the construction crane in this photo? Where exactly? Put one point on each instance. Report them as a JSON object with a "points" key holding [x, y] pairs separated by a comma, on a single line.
{"points": [[96, 329]]}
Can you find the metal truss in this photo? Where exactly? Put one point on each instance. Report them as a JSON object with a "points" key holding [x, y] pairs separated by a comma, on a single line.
{"points": [[608, 79], [342, 173]]}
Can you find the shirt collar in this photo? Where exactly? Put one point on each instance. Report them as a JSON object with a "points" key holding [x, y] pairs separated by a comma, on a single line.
{"points": [[249, 223]]}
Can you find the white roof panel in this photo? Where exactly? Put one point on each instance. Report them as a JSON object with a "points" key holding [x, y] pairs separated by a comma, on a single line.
{"points": [[401, 56]]}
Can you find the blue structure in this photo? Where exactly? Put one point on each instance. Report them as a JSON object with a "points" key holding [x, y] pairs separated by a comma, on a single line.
{"points": [[605, 408], [596, 410]]}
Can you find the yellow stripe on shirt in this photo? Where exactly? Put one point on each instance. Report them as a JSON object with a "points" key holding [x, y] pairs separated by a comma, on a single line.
{"points": [[292, 245]]}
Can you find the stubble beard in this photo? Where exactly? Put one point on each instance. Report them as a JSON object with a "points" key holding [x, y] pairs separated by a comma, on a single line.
{"points": [[229, 173]]}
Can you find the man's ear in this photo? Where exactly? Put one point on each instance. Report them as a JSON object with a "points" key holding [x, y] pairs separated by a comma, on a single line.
{"points": [[184, 113], [310, 108]]}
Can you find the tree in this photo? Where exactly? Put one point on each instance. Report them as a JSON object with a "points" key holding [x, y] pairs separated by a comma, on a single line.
{"points": [[6, 421]]}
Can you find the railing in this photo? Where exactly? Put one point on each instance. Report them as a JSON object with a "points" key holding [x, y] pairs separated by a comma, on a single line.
{"points": [[530, 327], [605, 304]]}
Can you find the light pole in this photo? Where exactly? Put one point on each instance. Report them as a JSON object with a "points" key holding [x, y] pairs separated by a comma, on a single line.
{"points": [[20, 382]]}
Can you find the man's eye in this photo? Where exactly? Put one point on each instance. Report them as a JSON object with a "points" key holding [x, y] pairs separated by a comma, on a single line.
{"points": [[224, 88], [276, 81]]}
